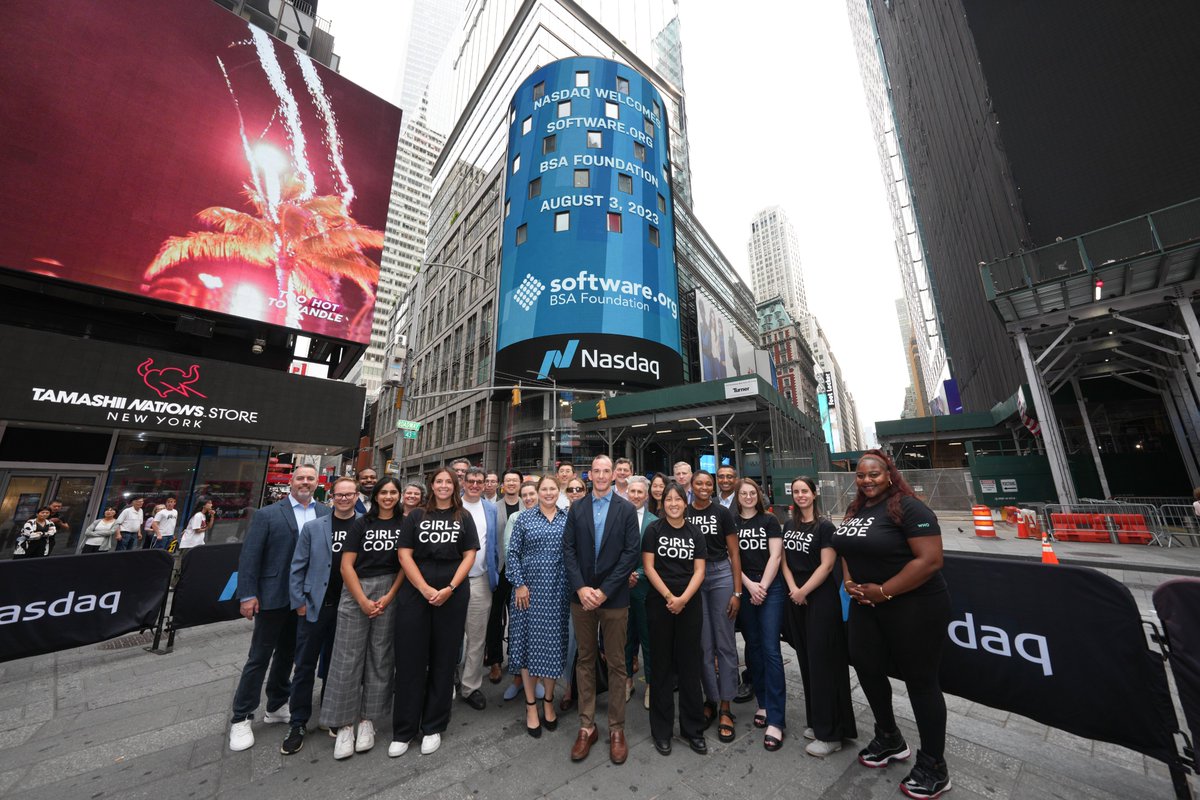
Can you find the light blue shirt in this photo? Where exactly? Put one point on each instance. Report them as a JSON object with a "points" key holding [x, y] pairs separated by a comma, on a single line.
{"points": [[303, 513], [600, 504]]}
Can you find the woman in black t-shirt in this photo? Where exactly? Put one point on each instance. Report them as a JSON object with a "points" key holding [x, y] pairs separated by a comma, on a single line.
{"points": [[891, 550], [761, 544], [361, 668], [673, 556], [814, 622], [437, 548]]}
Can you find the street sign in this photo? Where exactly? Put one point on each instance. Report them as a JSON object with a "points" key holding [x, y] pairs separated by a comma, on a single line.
{"points": [[410, 434], [408, 425]]}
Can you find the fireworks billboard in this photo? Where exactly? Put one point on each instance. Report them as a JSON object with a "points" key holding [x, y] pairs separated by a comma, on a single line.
{"points": [[174, 151]]}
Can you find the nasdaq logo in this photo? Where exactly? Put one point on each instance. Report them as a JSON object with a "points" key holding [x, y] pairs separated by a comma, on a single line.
{"points": [[528, 291], [558, 359], [230, 588]]}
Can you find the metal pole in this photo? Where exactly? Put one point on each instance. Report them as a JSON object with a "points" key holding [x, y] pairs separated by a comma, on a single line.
{"points": [[553, 423], [1189, 415], [1181, 439], [1091, 437], [716, 446], [1056, 453], [1189, 321]]}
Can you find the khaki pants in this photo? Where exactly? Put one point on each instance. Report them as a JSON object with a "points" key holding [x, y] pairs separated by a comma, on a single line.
{"points": [[614, 622], [476, 633]]}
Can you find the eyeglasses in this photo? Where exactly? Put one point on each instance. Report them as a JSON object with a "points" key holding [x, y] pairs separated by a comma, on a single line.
{"points": [[474, 482], [575, 490], [345, 496]]}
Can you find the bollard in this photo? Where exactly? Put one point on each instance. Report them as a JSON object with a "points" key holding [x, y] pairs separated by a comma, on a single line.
{"points": [[985, 527]]}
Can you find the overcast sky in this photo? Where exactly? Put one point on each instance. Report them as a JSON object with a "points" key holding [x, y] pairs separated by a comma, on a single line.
{"points": [[776, 116]]}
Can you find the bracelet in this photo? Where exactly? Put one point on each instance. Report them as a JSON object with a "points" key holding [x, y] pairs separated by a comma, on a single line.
{"points": [[454, 588], [738, 595], [885, 594]]}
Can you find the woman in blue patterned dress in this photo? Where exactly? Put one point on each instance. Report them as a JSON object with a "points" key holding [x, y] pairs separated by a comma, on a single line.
{"points": [[537, 626]]}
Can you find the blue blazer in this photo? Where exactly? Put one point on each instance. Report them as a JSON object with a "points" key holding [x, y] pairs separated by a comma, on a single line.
{"points": [[495, 533], [309, 575], [620, 551], [266, 556]]}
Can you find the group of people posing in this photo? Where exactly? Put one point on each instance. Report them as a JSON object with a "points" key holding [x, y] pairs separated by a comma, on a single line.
{"points": [[400, 596]]}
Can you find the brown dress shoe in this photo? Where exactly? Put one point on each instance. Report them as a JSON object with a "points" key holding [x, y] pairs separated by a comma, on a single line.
{"points": [[617, 749], [583, 744]]}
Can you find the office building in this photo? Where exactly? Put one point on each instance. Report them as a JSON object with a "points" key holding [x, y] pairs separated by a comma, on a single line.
{"points": [[839, 417], [292, 21], [775, 261], [915, 404], [795, 367]]}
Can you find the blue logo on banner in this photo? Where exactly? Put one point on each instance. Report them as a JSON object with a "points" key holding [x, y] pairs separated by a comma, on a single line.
{"points": [[230, 588], [556, 359]]}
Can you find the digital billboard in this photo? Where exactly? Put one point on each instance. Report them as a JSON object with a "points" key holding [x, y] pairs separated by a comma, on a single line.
{"points": [[177, 152], [588, 288], [724, 351]]}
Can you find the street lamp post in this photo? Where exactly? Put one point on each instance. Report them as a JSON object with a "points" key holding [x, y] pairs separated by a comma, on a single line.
{"points": [[553, 456]]}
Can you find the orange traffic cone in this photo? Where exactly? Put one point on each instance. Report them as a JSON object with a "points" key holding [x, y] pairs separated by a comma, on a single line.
{"points": [[1048, 556]]}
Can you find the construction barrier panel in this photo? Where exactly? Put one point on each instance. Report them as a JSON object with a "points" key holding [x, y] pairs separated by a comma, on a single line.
{"points": [[60, 602], [206, 586]]}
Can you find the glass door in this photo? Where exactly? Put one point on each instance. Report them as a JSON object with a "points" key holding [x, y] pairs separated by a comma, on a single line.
{"points": [[23, 493], [75, 493], [23, 496]]}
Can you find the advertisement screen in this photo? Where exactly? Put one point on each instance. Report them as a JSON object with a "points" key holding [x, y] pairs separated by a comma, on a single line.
{"points": [[724, 351], [179, 153], [588, 286]]}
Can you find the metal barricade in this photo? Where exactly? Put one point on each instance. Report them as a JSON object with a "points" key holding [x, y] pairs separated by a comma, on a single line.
{"points": [[1180, 524], [1108, 521], [1153, 500]]}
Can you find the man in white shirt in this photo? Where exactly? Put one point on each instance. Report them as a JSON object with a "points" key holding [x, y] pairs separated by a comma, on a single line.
{"points": [[622, 469], [726, 494], [164, 526], [484, 576], [565, 473], [683, 476], [129, 524]]}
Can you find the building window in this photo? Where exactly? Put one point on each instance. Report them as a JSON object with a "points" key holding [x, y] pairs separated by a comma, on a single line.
{"points": [[539, 90], [622, 85], [562, 221], [512, 114], [653, 235], [625, 183], [507, 208], [516, 164], [535, 187], [662, 203], [522, 233], [582, 179], [549, 144], [639, 151], [581, 79], [647, 126], [564, 109], [614, 222], [657, 110], [526, 125], [594, 139], [611, 109]]}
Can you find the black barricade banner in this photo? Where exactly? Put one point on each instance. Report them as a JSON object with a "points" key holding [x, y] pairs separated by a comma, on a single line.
{"points": [[60, 602], [1178, 604], [1059, 644], [206, 586]]}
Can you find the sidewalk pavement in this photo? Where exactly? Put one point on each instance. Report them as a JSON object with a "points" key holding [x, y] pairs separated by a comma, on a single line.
{"points": [[114, 721]]}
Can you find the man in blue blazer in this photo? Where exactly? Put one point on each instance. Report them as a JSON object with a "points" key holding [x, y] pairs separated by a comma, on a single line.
{"points": [[601, 547], [315, 587], [262, 588], [483, 577]]}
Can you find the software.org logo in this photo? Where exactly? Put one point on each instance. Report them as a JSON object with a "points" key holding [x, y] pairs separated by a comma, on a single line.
{"points": [[528, 291], [558, 359]]}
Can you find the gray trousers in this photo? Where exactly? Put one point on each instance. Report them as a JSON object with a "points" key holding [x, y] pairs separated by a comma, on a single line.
{"points": [[362, 667], [719, 675], [478, 611]]}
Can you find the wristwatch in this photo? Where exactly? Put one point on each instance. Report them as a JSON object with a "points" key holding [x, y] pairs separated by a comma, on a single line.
{"points": [[738, 595]]}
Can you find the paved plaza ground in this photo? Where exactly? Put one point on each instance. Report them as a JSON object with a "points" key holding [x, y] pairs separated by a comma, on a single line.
{"points": [[117, 722]]}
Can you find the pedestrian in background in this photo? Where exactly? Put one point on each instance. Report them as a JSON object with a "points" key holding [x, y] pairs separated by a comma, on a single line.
{"points": [[197, 526], [147, 536], [98, 537], [163, 525], [36, 535], [129, 525]]}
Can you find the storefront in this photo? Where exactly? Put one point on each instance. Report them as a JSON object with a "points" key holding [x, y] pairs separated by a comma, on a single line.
{"points": [[94, 424]]}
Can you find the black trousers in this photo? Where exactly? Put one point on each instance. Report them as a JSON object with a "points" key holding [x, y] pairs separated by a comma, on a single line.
{"points": [[908, 634], [311, 640], [497, 621], [274, 643], [818, 635], [675, 650], [427, 642]]}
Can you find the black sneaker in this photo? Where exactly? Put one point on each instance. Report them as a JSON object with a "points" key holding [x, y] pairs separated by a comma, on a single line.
{"points": [[476, 700], [929, 778], [294, 741], [883, 749]]}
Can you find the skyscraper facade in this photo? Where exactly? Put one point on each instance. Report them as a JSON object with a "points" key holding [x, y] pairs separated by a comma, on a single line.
{"points": [[839, 416], [796, 378], [775, 261]]}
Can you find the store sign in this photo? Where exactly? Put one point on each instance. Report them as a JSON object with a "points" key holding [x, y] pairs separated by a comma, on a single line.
{"points": [[588, 284], [736, 389], [50, 378]]}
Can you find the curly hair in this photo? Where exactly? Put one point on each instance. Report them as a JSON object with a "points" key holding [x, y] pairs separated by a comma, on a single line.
{"points": [[897, 489]]}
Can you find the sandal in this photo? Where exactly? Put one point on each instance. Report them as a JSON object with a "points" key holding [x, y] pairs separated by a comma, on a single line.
{"points": [[760, 718], [725, 731], [771, 743], [550, 724], [710, 713], [534, 732]]}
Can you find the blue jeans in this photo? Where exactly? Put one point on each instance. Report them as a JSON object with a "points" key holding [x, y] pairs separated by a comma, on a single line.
{"points": [[760, 627], [129, 541], [719, 673], [160, 544]]}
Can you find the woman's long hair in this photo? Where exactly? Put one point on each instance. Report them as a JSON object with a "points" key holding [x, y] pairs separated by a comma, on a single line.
{"points": [[455, 496], [816, 506], [898, 489], [655, 506]]}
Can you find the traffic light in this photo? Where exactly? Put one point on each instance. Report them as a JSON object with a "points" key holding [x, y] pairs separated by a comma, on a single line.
{"points": [[516, 396], [399, 404], [601, 409]]}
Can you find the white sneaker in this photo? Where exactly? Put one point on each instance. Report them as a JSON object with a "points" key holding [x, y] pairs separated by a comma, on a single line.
{"points": [[397, 749], [809, 733], [430, 743], [821, 749], [281, 714], [344, 746], [366, 736], [240, 736]]}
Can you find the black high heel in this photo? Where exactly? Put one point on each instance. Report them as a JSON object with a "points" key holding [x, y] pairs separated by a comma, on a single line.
{"points": [[535, 732], [551, 724]]}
